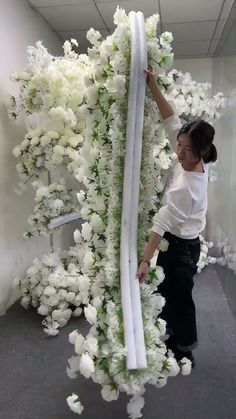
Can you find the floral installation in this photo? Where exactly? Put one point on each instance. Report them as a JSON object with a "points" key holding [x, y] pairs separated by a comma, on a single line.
{"points": [[98, 119], [51, 97], [54, 286], [101, 354], [51, 201]]}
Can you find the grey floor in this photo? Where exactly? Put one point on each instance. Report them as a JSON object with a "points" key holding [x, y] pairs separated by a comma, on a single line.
{"points": [[34, 385]]}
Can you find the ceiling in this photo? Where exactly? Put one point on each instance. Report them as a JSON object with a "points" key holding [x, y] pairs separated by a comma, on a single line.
{"points": [[196, 24]]}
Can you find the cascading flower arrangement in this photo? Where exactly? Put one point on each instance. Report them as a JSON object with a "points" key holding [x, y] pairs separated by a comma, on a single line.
{"points": [[101, 355], [51, 97]]}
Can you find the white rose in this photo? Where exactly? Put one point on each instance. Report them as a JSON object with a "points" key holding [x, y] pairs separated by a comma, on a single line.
{"points": [[24, 143], [97, 302], [84, 211], [53, 134], [88, 261], [90, 313], [73, 336], [94, 37], [79, 344], [59, 149], [91, 95], [74, 404], [135, 406], [74, 141], [41, 192], [25, 301], [16, 151], [62, 293], [57, 159], [86, 366], [186, 366], [86, 231], [73, 367], [56, 204], [160, 274], [77, 236], [84, 283], [43, 310], [62, 316], [81, 196], [173, 367], [35, 140], [45, 140], [109, 394], [70, 297], [116, 85], [97, 222], [51, 331], [49, 291], [91, 345], [77, 312], [53, 300], [163, 246]]}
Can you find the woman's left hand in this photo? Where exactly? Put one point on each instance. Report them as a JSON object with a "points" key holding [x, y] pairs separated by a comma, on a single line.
{"points": [[142, 271]]}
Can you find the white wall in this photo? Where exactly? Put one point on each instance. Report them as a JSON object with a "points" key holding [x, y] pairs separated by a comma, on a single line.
{"points": [[20, 26], [223, 197], [199, 68]]}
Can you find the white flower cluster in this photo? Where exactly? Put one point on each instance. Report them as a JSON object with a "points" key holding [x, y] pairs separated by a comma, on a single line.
{"points": [[192, 99], [56, 288], [52, 93], [51, 96], [229, 255], [51, 201], [204, 259]]}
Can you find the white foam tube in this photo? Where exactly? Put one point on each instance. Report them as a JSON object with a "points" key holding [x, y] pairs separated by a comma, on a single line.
{"points": [[129, 338], [139, 113], [63, 219]]}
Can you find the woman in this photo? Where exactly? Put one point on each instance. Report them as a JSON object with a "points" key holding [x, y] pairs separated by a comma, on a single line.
{"points": [[180, 220]]}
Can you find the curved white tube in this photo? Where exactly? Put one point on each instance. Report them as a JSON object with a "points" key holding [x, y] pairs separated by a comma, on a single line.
{"points": [[139, 113], [126, 215]]}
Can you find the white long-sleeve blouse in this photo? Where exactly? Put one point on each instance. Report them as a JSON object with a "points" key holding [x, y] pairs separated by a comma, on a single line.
{"points": [[184, 204]]}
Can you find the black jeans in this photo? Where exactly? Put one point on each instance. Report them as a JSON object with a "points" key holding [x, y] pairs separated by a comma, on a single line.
{"points": [[180, 265]]}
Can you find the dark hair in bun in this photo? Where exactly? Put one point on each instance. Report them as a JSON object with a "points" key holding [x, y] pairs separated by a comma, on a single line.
{"points": [[201, 134]]}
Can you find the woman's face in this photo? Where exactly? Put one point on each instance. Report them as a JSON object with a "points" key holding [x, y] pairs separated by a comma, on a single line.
{"points": [[185, 151]]}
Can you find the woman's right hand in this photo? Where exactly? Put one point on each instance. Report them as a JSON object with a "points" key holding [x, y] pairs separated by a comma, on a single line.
{"points": [[142, 271], [151, 79]]}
